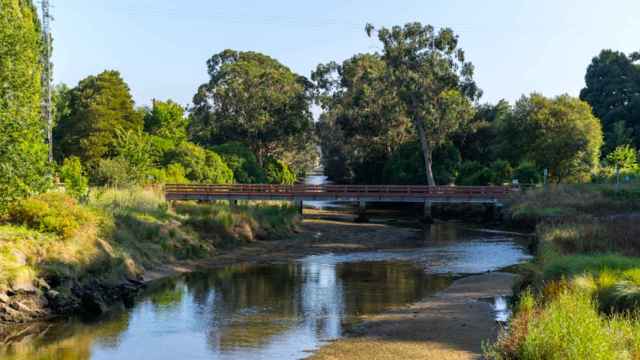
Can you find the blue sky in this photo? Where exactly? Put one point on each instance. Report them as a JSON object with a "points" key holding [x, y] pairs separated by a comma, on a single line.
{"points": [[161, 46]]}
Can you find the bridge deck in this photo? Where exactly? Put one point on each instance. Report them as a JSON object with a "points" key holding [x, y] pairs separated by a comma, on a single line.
{"points": [[381, 193]]}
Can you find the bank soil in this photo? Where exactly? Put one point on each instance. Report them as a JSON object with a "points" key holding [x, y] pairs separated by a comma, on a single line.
{"points": [[453, 324]]}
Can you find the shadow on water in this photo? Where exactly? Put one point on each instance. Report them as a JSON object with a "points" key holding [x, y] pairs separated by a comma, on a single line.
{"points": [[275, 311]]}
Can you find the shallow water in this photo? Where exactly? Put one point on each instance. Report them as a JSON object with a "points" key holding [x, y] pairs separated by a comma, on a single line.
{"points": [[279, 311]]}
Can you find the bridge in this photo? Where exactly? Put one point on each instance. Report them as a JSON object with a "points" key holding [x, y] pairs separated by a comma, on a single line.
{"points": [[298, 193]]}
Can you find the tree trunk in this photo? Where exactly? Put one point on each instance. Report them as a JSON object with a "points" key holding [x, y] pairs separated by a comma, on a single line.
{"points": [[426, 153]]}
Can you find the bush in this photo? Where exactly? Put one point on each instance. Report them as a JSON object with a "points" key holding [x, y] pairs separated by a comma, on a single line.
{"points": [[473, 173], [277, 172], [172, 174], [114, 172], [50, 212], [73, 178], [527, 173], [503, 172], [569, 328], [242, 162], [201, 165]]}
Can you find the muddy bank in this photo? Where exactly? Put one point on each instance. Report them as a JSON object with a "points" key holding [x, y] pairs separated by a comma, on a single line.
{"points": [[314, 236], [450, 325]]}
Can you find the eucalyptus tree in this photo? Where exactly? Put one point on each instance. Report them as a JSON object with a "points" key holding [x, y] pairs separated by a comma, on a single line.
{"points": [[253, 99], [363, 121], [429, 74]]}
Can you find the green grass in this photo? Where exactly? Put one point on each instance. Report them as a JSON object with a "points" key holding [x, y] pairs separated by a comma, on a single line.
{"points": [[120, 233]]}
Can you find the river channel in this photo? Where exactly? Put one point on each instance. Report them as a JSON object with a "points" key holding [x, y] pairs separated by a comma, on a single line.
{"points": [[276, 311]]}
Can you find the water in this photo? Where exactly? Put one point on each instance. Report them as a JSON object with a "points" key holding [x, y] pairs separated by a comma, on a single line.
{"points": [[278, 311]]}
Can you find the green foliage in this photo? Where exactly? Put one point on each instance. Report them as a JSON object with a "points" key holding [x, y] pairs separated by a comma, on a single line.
{"points": [[201, 165], [405, 165], [167, 121], [623, 157], [253, 99], [363, 123], [559, 134], [613, 85], [73, 177], [569, 328], [527, 173], [242, 162], [474, 174], [277, 172], [113, 173], [100, 106], [135, 148], [23, 155], [50, 212], [172, 174], [439, 107]]}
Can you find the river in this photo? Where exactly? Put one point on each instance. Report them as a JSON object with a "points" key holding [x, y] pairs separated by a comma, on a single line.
{"points": [[276, 311]]}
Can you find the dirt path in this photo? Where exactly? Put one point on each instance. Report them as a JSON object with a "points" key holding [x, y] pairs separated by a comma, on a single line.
{"points": [[450, 325]]}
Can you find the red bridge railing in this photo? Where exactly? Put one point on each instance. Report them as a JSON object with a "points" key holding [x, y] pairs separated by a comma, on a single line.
{"points": [[177, 191]]}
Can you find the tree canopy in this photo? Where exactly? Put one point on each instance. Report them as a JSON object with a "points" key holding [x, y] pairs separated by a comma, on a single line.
{"points": [[100, 106], [432, 79], [613, 90], [24, 168], [559, 134], [253, 99], [166, 119]]}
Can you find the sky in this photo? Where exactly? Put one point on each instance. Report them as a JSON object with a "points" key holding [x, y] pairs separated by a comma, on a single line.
{"points": [[161, 46]]}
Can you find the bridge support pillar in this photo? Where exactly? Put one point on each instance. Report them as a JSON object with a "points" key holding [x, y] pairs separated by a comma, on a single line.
{"points": [[493, 211], [362, 212], [427, 215], [299, 206]]}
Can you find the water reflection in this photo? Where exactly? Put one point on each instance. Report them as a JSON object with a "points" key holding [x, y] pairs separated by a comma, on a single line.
{"points": [[263, 312]]}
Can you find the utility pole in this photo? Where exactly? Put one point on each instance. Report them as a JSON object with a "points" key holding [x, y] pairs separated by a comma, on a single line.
{"points": [[47, 75]]}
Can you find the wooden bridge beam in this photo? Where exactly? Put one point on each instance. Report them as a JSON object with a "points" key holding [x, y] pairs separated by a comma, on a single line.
{"points": [[362, 213]]}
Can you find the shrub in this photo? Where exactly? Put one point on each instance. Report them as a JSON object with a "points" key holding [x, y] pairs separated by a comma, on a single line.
{"points": [[503, 173], [201, 165], [50, 212], [277, 172], [569, 328], [114, 172], [527, 173], [473, 173], [73, 178]]}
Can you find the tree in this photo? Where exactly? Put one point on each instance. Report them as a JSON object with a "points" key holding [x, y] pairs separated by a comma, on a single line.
{"points": [[559, 134], [613, 91], [253, 99], [364, 122], [242, 161], [624, 158], [478, 141], [73, 177], [430, 76], [201, 165], [24, 169], [100, 106], [166, 119]]}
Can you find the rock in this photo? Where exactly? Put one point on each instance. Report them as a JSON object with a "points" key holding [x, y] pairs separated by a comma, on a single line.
{"points": [[4, 298]]}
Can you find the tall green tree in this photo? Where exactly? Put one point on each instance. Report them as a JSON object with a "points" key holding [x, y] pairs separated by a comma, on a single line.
{"points": [[613, 91], [100, 106], [166, 119], [559, 134], [363, 118], [254, 99], [432, 79], [24, 169]]}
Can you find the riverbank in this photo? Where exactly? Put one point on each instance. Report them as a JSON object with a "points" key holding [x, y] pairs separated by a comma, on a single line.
{"points": [[579, 298], [453, 324], [59, 257]]}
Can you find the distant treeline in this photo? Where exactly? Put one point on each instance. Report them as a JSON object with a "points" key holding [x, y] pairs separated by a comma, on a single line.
{"points": [[408, 114]]}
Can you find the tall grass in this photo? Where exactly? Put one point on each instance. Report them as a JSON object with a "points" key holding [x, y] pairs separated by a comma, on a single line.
{"points": [[120, 233]]}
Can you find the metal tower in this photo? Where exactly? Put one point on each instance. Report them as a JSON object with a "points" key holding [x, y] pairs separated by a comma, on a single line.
{"points": [[47, 74]]}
